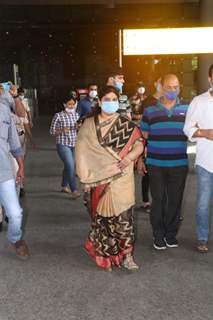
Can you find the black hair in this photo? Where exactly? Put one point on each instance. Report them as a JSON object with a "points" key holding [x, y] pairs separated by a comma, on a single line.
{"points": [[92, 84], [115, 71], [69, 97], [210, 70], [140, 84], [108, 89], [97, 109], [20, 90]]}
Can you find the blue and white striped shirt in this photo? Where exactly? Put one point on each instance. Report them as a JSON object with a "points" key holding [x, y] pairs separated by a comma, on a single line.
{"points": [[167, 143]]}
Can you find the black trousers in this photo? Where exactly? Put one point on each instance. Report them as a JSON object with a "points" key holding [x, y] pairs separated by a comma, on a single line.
{"points": [[145, 187], [167, 187]]}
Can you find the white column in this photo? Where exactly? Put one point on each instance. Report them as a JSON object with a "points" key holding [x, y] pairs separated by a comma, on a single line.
{"points": [[205, 60]]}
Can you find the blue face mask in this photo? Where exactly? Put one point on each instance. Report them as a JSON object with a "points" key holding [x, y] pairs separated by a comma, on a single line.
{"points": [[119, 85], [109, 106], [171, 95], [6, 86], [158, 87]]}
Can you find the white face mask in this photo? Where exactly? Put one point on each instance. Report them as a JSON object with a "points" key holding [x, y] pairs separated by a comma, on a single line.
{"points": [[21, 97], [70, 111], [141, 90], [93, 94]]}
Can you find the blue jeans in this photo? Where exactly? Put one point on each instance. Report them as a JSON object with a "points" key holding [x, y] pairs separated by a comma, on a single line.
{"points": [[67, 155], [204, 195], [10, 202]]}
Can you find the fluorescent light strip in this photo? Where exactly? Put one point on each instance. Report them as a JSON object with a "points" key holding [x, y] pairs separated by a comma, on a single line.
{"points": [[167, 41]]}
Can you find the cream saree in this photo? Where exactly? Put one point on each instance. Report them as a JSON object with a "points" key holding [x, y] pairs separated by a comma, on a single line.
{"points": [[97, 157], [99, 148]]}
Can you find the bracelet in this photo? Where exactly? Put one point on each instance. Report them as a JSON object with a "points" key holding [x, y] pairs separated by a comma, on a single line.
{"points": [[199, 133]]}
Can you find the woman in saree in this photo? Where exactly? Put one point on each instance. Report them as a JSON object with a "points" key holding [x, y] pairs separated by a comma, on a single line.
{"points": [[108, 145]]}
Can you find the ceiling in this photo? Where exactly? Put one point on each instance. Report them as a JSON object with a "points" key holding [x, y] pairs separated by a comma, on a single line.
{"points": [[109, 3]]}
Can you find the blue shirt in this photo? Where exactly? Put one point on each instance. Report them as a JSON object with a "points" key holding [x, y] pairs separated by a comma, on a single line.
{"points": [[84, 107], [8, 100], [167, 143], [9, 142]]}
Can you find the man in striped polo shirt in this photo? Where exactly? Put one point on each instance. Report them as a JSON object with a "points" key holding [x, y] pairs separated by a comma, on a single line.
{"points": [[162, 126]]}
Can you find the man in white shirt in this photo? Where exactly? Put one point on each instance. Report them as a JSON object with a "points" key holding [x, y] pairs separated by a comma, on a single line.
{"points": [[199, 128]]}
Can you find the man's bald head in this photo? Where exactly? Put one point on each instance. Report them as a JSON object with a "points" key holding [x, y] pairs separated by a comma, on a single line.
{"points": [[169, 79], [170, 82]]}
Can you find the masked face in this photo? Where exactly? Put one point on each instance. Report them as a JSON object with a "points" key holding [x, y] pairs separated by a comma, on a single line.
{"points": [[109, 103], [141, 90], [6, 86], [110, 106], [70, 107], [70, 111], [21, 96], [171, 95], [93, 94], [171, 88], [119, 82], [119, 86]]}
